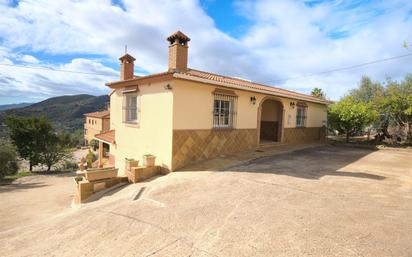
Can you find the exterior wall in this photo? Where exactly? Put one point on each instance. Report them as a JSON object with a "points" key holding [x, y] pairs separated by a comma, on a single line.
{"points": [[92, 129], [177, 125], [304, 135], [194, 138], [106, 124], [199, 144], [153, 134]]}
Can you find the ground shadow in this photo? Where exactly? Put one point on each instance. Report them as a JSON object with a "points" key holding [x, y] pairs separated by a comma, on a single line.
{"points": [[311, 163], [20, 186]]}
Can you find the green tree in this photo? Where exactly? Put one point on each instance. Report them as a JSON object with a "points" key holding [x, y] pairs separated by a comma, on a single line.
{"points": [[56, 150], [350, 117], [29, 135], [94, 144], [8, 160], [396, 104], [318, 92], [367, 91]]}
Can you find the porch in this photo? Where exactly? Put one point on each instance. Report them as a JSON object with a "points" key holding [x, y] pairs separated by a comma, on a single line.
{"points": [[106, 141]]}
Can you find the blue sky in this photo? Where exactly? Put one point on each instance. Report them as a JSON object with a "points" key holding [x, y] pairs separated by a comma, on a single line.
{"points": [[265, 41]]}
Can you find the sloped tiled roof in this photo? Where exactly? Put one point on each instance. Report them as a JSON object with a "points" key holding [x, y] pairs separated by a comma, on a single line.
{"points": [[108, 136], [102, 114], [251, 86], [220, 80]]}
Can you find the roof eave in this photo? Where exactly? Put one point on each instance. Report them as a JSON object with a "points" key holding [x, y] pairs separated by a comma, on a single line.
{"points": [[141, 80], [262, 91]]}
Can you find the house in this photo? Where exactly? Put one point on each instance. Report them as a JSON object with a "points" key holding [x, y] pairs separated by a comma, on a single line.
{"points": [[95, 123], [185, 115]]}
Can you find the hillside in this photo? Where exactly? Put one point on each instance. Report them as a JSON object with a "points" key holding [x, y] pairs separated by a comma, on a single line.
{"points": [[65, 112], [13, 106]]}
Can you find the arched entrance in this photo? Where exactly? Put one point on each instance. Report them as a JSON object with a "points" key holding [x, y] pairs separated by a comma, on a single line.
{"points": [[270, 123]]}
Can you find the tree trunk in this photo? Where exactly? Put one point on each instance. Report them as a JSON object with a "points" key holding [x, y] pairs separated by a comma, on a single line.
{"points": [[347, 136], [48, 167], [30, 166], [409, 137]]}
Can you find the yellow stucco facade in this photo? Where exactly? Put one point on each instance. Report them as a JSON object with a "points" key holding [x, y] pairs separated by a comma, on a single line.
{"points": [[177, 122], [190, 95], [152, 134], [94, 126], [186, 115]]}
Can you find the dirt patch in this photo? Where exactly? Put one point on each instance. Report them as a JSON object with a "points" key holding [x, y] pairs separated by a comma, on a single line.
{"points": [[324, 201], [33, 198]]}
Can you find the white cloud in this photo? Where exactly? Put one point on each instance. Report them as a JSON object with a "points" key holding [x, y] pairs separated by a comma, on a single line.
{"points": [[29, 59], [287, 39], [39, 84]]}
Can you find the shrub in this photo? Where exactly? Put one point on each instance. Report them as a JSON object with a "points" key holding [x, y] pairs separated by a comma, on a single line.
{"points": [[69, 165], [8, 160], [90, 158], [94, 144]]}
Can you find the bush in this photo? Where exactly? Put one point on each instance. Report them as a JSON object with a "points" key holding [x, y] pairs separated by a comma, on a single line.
{"points": [[8, 160], [90, 158], [70, 166], [94, 144]]}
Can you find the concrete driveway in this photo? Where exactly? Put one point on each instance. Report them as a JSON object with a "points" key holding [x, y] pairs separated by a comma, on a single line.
{"points": [[324, 201]]}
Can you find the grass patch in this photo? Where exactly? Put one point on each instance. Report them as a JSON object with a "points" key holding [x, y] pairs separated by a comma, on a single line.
{"points": [[10, 178]]}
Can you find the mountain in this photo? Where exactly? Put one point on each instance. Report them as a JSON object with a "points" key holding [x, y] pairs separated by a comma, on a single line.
{"points": [[65, 112], [13, 106]]}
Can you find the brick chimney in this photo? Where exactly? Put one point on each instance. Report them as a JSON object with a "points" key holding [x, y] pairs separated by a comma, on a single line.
{"points": [[126, 67], [178, 51]]}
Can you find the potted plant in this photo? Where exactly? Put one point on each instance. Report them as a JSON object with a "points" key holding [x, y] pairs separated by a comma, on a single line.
{"points": [[149, 160], [130, 163]]}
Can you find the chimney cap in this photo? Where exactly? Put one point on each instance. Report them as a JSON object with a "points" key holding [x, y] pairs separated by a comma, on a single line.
{"points": [[178, 35], [127, 57]]}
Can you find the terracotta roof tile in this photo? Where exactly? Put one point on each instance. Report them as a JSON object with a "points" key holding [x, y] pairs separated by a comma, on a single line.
{"points": [[108, 136], [102, 114], [178, 35], [248, 85]]}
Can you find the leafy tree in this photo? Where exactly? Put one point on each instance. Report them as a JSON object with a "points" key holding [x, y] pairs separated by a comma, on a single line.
{"points": [[396, 104], [8, 160], [29, 135], [55, 150], [367, 91], [350, 116], [77, 138], [94, 144], [318, 92]]}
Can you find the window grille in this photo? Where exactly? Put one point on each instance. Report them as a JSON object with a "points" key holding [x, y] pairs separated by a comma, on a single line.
{"points": [[224, 111], [130, 108], [301, 111]]}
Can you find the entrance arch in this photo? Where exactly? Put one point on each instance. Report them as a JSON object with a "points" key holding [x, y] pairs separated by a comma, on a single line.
{"points": [[270, 120]]}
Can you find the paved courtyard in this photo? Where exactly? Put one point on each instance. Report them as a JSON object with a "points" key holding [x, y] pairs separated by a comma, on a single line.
{"points": [[323, 201]]}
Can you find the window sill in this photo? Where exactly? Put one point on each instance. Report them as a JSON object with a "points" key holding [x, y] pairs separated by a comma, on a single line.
{"points": [[132, 125], [300, 127], [223, 128]]}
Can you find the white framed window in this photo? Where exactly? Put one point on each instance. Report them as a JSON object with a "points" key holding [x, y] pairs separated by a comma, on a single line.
{"points": [[224, 111], [131, 108], [301, 111]]}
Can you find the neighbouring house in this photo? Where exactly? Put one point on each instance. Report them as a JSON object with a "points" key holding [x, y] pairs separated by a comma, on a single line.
{"points": [[185, 115], [95, 123]]}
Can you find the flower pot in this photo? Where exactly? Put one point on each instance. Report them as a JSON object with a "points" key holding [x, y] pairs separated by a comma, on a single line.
{"points": [[130, 163], [149, 160]]}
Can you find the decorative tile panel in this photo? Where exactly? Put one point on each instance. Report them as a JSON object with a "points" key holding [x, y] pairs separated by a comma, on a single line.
{"points": [[190, 146], [303, 135]]}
